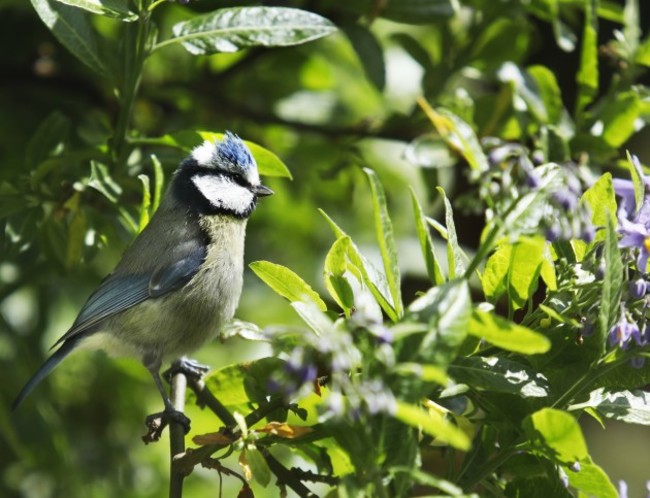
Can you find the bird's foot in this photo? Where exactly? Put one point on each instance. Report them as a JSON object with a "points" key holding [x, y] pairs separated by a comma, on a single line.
{"points": [[190, 368], [157, 422]]}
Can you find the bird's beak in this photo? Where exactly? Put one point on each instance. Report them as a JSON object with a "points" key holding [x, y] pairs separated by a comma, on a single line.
{"points": [[262, 191]]}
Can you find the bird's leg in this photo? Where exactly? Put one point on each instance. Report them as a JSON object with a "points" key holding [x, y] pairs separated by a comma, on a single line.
{"points": [[156, 422], [190, 368]]}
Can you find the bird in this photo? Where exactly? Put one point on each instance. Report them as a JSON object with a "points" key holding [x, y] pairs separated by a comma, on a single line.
{"points": [[181, 278]]}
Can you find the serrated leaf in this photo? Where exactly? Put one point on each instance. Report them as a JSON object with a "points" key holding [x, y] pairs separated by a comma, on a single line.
{"points": [[386, 241], [559, 434], [632, 407], [432, 423], [426, 243], [286, 283], [117, 9], [506, 334], [499, 375], [72, 28], [233, 29]]}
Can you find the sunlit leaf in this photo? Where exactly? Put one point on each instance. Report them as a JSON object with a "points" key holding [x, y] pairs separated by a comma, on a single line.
{"points": [[506, 334], [559, 434], [386, 241], [454, 252], [432, 423], [587, 76], [118, 9], [632, 407], [233, 29], [426, 243], [286, 283], [499, 375]]}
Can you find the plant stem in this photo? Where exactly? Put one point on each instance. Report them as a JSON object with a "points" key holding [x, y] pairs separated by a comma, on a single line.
{"points": [[135, 52], [177, 436]]}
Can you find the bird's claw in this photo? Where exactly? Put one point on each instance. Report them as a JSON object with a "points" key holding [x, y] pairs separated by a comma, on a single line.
{"points": [[157, 422], [190, 368]]}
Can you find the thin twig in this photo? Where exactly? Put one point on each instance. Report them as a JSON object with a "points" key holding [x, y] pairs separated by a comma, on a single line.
{"points": [[206, 398], [287, 477], [177, 436]]}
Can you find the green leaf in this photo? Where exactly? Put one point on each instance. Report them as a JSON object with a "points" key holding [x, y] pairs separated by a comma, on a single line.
{"points": [[495, 276], [369, 52], [334, 270], [447, 310], [454, 252], [117, 9], [524, 269], [242, 383], [559, 435], [506, 334], [72, 28], [146, 202], [365, 271], [458, 135], [427, 373], [386, 241], [636, 172], [76, 237], [159, 181], [426, 243], [317, 320], [612, 283], [499, 375], [50, 137], [527, 88], [286, 283], [619, 117], [632, 407], [233, 29], [549, 91], [268, 164], [258, 466], [418, 11], [100, 179], [432, 423], [587, 76], [591, 480], [601, 199]]}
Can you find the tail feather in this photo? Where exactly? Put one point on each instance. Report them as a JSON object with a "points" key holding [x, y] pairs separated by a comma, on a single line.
{"points": [[49, 365]]}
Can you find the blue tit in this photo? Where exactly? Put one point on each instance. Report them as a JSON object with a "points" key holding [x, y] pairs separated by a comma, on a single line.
{"points": [[180, 280]]}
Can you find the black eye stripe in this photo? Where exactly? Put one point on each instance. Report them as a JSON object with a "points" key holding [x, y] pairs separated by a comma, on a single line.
{"points": [[190, 168]]}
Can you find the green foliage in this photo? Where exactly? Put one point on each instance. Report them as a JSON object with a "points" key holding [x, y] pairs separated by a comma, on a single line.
{"points": [[437, 355]]}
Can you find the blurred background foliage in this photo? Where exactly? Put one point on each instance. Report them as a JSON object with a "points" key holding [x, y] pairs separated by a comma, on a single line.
{"points": [[563, 77]]}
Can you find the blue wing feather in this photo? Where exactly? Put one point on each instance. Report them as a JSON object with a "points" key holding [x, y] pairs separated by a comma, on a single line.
{"points": [[118, 293]]}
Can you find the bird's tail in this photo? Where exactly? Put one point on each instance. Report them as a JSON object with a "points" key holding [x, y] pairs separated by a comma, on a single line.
{"points": [[45, 369]]}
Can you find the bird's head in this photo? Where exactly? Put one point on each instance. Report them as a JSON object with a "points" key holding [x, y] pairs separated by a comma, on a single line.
{"points": [[220, 177]]}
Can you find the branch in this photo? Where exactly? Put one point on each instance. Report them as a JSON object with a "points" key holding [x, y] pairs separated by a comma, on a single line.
{"points": [[177, 436], [287, 477], [206, 398]]}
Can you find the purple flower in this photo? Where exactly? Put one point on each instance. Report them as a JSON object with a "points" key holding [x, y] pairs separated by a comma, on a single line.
{"points": [[623, 332], [638, 288], [636, 236]]}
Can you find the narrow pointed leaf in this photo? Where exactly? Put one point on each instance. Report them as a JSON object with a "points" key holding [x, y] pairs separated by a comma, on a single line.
{"points": [[454, 252], [506, 334], [386, 241], [287, 283], [117, 9], [611, 285], [366, 272], [334, 274], [432, 423], [587, 76], [426, 243], [72, 28], [233, 29], [632, 407]]}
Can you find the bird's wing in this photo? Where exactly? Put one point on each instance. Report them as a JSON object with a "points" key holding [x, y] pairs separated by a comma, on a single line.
{"points": [[120, 292]]}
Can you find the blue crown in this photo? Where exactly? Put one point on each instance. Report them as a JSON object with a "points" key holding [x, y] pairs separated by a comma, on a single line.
{"points": [[233, 151]]}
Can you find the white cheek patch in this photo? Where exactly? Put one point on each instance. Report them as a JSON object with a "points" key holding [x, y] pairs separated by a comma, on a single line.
{"points": [[223, 193]]}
